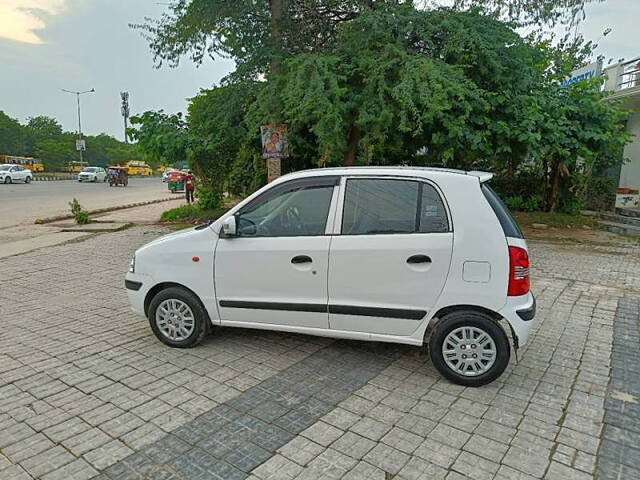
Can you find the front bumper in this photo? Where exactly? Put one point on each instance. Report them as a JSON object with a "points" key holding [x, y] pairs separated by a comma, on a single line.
{"points": [[137, 287], [519, 312]]}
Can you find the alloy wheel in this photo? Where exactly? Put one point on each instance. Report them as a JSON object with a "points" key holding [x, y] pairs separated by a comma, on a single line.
{"points": [[469, 351], [175, 319]]}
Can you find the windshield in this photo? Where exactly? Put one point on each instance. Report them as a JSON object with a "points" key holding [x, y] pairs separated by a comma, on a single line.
{"points": [[4, 168], [90, 169]]}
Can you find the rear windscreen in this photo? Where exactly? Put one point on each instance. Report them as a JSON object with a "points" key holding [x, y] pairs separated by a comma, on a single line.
{"points": [[509, 225]]}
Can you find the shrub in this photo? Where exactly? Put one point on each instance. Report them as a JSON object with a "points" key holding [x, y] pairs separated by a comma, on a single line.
{"points": [[185, 212], [209, 199], [80, 215]]}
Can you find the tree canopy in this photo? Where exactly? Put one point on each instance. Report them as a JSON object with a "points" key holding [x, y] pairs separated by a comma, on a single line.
{"points": [[43, 137], [375, 82]]}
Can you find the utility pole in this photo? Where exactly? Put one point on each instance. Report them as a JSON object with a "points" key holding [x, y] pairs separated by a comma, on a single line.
{"points": [[80, 146], [124, 109]]}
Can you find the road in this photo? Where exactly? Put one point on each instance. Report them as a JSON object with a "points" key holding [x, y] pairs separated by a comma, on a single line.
{"points": [[21, 203]]}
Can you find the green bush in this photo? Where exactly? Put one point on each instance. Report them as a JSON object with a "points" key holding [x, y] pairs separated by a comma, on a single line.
{"points": [[209, 199], [80, 215], [183, 213]]}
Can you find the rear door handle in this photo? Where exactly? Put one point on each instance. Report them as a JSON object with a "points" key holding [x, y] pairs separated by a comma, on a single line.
{"points": [[301, 259], [419, 259]]}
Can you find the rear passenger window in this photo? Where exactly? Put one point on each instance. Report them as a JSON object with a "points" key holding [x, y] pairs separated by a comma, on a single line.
{"points": [[433, 216], [387, 206]]}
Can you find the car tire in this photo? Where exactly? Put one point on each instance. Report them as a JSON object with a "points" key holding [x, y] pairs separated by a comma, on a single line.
{"points": [[27, 180], [469, 328], [95, 179], [188, 327], [7, 180]]}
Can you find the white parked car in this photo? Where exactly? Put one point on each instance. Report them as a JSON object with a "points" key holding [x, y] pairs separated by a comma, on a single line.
{"points": [[407, 255], [92, 174], [10, 173]]}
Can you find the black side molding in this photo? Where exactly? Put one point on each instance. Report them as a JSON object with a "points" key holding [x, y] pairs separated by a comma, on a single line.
{"points": [[336, 309], [291, 307], [131, 285], [377, 312], [528, 313]]}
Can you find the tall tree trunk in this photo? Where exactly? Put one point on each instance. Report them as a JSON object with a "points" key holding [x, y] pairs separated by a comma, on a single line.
{"points": [[554, 190], [275, 29], [352, 151]]}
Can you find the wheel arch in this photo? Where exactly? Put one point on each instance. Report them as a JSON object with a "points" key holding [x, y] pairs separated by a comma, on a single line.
{"points": [[437, 317], [153, 291]]}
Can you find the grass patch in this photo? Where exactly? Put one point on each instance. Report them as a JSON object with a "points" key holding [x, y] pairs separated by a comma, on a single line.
{"points": [[191, 214], [554, 220]]}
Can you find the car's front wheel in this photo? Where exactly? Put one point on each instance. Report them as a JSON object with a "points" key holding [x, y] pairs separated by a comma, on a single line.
{"points": [[178, 318], [469, 348], [7, 179]]}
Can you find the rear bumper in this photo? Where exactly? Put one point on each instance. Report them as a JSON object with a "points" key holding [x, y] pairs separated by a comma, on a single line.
{"points": [[519, 312]]}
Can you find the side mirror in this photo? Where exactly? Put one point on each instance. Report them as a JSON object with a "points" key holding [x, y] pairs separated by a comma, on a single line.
{"points": [[229, 226]]}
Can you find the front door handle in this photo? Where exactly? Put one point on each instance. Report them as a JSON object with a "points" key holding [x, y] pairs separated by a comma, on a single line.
{"points": [[419, 259], [298, 259]]}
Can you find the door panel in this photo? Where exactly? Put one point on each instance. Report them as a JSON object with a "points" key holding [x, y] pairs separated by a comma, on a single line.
{"points": [[275, 270], [390, 262], [388, 275], [268, 280]]}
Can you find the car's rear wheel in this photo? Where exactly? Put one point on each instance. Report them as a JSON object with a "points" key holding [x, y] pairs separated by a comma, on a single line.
{"points": [[178, 318], [27, 180], [469, 348]]}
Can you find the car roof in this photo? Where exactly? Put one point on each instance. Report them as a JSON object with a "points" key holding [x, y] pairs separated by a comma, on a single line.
{"points": [[400, 171]]}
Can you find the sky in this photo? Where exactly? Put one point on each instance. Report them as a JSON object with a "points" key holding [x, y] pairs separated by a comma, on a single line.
{"points": [[49, 45]]}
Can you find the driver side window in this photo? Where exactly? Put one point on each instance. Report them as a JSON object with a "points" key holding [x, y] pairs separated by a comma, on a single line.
{"points": [[293, 213]]}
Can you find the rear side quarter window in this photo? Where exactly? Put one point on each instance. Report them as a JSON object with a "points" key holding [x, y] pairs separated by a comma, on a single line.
{"points": [[508, 223]]}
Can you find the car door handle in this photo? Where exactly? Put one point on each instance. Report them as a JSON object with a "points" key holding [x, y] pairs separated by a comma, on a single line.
{"points": [[419, 259], [301, 259]]}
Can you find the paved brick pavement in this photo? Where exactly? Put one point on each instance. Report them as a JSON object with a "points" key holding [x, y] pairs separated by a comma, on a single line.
{"points": [[86, 390]]}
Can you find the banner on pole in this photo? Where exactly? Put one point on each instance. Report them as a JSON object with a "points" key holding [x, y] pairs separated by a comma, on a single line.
{"points": [[274, 139]]}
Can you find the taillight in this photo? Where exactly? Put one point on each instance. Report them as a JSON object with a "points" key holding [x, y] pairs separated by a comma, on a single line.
{"points": [[518, 272]]}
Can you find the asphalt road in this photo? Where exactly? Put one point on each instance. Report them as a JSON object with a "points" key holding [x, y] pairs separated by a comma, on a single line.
{"points": [[21, 203]]}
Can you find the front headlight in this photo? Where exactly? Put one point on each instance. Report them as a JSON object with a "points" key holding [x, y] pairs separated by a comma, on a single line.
{"points": [[132, 265]]}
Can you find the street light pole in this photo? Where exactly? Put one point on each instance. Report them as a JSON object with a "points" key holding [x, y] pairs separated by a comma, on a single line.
{"points": [[77, 94]]}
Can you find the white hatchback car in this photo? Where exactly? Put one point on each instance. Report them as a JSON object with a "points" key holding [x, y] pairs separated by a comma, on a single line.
{"points": [[10, 173], [93, 174], [407, 255]]}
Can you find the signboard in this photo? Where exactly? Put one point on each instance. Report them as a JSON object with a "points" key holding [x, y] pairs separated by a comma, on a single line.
{"points": [[81, 145], [274, 141], [592, 70]]}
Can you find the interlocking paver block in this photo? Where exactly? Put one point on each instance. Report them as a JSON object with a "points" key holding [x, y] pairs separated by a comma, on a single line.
{"points": [[107, 454], [76, 470], [86, 441], [322, 433], [47, 461], [387, 458]]}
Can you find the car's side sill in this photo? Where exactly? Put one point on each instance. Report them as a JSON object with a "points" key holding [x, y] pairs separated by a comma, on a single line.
{"points": [[402, 313], [324, 332]]}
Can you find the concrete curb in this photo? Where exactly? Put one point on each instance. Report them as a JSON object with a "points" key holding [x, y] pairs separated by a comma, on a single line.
{"points": [[51, 179], [40, 221]]}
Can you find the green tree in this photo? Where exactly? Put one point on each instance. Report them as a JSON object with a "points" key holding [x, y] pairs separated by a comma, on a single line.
{"points": [[55, 153], [12, 139], [38, 129], [160, 136]]}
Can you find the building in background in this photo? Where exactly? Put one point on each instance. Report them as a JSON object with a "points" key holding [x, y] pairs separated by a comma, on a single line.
{"points": [[624, 80]]}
